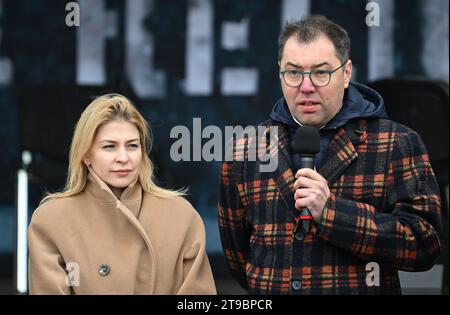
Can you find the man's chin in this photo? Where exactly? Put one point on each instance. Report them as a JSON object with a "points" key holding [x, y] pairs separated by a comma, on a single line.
{"points": [[309, 122]]}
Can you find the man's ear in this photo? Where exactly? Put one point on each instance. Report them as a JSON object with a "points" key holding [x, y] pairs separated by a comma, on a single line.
{"points": [[348, 73], [279, 74]]}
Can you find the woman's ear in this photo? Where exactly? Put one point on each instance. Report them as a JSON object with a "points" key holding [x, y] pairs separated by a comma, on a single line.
{"points": [[87, 161]]}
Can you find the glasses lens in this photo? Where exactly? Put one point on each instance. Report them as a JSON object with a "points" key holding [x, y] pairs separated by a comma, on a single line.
{"points": [[295, 78], [292, 78], [320, 78]]}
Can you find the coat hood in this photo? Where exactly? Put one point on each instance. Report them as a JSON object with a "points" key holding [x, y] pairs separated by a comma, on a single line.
{"points": [[360, 101]]}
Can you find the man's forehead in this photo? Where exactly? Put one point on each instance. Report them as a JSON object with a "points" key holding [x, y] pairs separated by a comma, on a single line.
{"points": [[318, 51]]}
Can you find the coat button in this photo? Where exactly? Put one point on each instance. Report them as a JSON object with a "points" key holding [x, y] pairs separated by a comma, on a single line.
{"points": [[104, 270], [296, 285], [299, 236]]}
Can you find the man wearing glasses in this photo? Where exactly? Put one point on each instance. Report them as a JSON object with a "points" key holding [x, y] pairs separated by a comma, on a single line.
{"points": [[372, 195]]}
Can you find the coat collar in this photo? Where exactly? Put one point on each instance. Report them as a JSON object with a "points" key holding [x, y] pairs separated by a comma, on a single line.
{"points": [[131, 197], [130, 205]]}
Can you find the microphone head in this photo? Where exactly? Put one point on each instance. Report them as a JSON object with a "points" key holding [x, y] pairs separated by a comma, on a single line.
{"points": [[306, 140]]}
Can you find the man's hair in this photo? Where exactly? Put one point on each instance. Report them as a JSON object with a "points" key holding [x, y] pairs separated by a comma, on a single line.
{"points": [[310, 28]]}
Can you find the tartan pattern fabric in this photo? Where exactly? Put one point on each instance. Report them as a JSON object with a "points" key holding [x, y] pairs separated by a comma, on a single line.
{"points": [[384, 207]]}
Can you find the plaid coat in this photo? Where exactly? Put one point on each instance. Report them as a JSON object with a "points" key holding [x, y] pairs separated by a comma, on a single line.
{"points": [[384, 207]]}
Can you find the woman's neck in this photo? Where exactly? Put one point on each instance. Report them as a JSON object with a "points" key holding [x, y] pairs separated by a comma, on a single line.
{"points": [[117, 191]]}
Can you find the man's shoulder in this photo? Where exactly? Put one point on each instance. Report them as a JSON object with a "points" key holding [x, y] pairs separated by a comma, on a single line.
{"points": [[381, 125], [382, 131], [247, 143], [250, 134], [269, 123]]}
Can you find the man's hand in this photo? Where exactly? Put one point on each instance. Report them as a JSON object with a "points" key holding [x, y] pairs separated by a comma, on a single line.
{"points": [[311, 191]]}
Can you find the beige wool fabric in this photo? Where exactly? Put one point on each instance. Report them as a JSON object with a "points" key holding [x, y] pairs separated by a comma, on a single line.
{"points": [[140, 244]]}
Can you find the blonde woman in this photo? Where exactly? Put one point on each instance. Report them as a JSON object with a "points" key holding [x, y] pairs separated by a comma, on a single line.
{"points": [[113, 230]]}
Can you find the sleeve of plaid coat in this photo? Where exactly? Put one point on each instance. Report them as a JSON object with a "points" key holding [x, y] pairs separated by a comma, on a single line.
{"points": [[405, 233], [234, 234]]}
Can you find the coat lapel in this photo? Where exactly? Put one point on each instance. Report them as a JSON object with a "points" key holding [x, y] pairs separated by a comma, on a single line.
{"points": [[341, 152], [129, 204], [339, 155], [283, 174]]}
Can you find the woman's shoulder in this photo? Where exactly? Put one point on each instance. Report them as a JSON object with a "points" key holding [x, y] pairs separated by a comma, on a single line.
{"points": [[177, 205], [55, 208], [170, 202]]}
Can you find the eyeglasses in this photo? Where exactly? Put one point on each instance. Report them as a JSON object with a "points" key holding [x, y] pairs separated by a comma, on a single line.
{"points": [[319, 78]]}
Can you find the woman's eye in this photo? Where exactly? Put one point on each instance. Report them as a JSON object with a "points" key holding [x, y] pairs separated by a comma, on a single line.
{"points": [[109, 146], [133, 146]]}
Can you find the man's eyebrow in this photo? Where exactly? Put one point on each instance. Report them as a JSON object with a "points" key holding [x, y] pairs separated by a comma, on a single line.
{"points": [[293, 65], [321, 64], [313, 66]]}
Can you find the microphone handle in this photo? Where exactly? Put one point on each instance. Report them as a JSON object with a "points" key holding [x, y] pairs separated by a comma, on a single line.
{"points": [[306, 161]]}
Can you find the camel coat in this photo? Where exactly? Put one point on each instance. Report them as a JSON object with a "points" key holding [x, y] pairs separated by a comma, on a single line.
{"points": [[93, 243]]}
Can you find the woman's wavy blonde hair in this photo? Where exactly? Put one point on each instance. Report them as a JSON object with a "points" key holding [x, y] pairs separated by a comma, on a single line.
{"points": [[102, 110]]}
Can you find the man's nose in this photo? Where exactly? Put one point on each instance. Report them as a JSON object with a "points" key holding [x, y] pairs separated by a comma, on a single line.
{"points": [[307, 86]]}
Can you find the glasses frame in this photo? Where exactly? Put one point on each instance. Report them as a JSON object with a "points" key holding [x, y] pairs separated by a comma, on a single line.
{"points": [[309, 73]]}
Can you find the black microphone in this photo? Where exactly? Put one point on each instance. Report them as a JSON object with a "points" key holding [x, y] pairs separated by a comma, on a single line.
{"points": [[306, 143]]}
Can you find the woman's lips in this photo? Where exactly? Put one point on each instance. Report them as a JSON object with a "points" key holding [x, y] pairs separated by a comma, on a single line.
{"points": [[122, 173]]}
